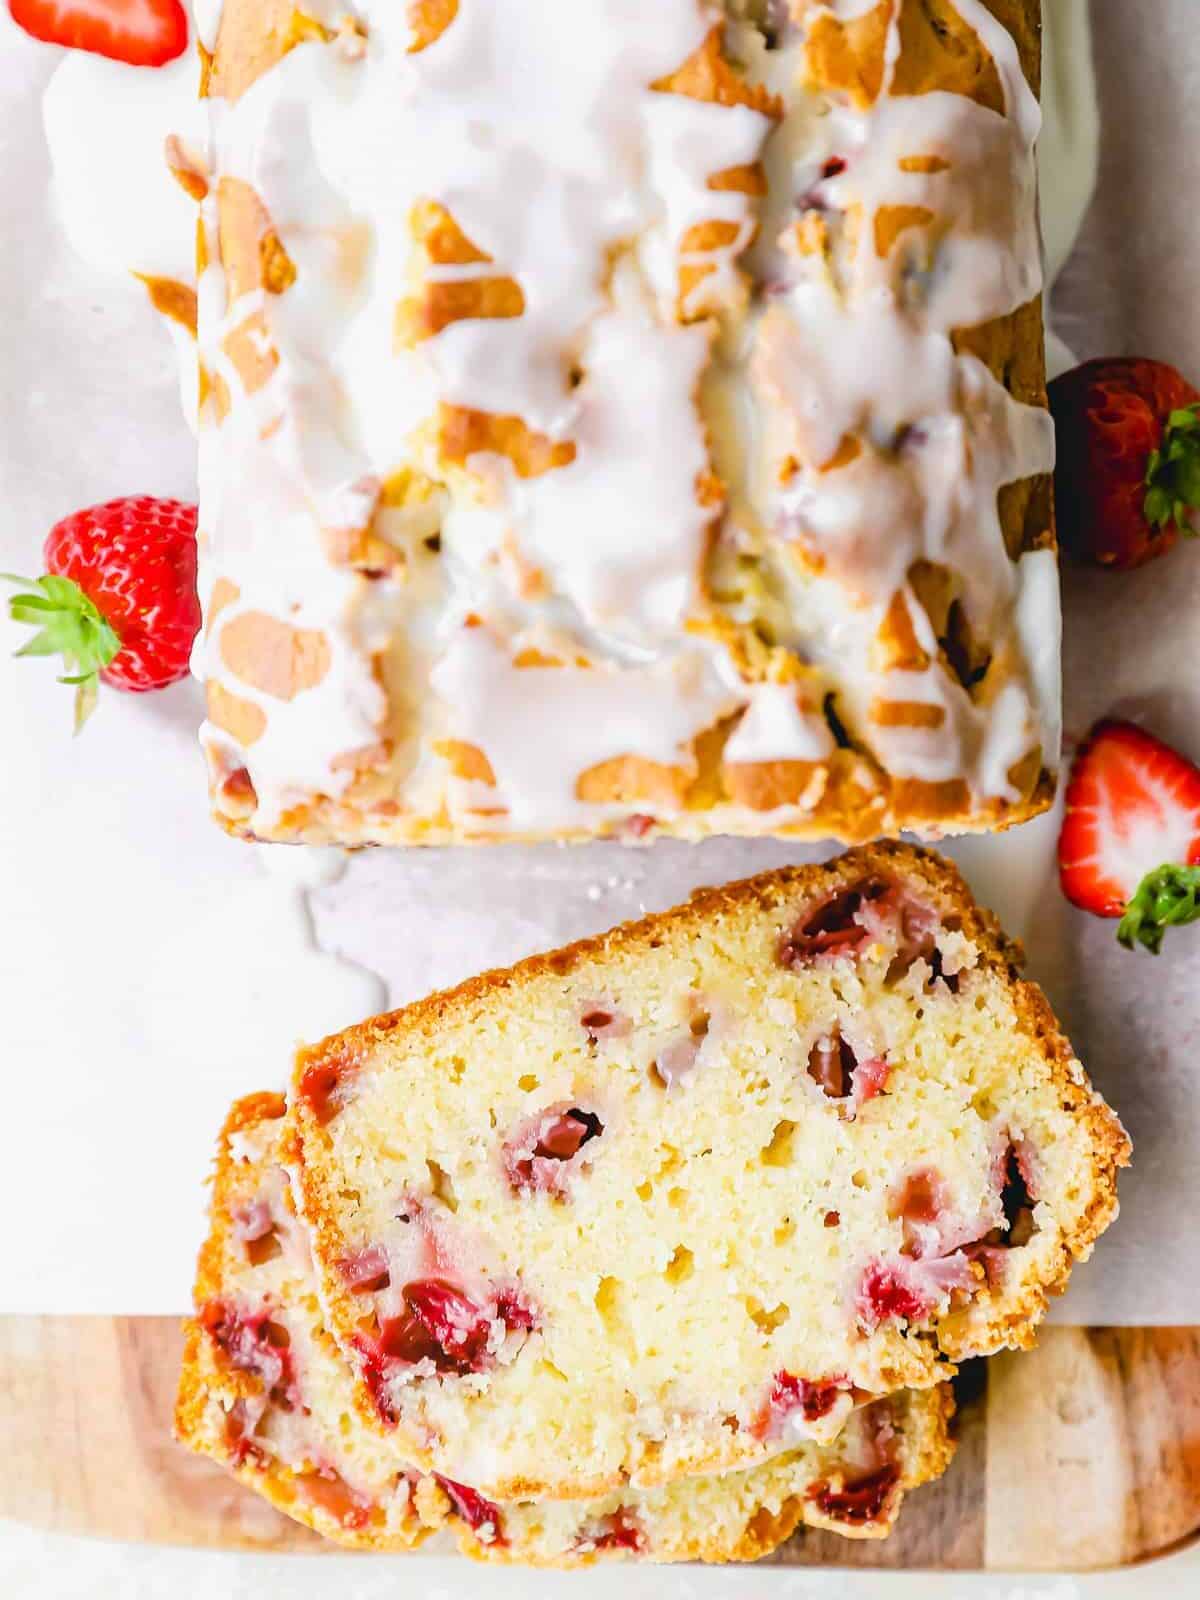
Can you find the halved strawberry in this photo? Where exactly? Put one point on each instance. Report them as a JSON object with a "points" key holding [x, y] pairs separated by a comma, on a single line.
{"points": [[1130, 841], [142, 33]]}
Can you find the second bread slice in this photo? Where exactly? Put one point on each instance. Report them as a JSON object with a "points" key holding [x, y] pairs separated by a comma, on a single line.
{"points": [[672, 1199]]}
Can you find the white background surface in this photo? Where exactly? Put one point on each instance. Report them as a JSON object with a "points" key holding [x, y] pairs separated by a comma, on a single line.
{"points": [[1132, 286]]}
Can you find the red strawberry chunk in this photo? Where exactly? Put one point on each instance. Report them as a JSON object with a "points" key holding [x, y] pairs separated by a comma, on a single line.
{"points": [[919, 1204], [457, 1325], [605, 1022], [257, 1345], [895, 1292], [542, 1153], [870, 1078], [323, 1086], [831, 929], [239, 1439], [874, 911], [514, 1311], [406, 1339], [477, 1512], [833, 1064], [859, 1503], [441, 1325], [376, 1367], [791, 1396], [329, 1490], [366, 1272], [619, 1531]]}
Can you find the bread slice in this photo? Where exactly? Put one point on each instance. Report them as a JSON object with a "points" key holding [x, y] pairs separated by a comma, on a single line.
{"points": [[669, 1200], [265, 1393]]}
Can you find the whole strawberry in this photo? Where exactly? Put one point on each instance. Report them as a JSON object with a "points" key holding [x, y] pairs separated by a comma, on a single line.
{"points": [[118, 601], [1128, 474]]}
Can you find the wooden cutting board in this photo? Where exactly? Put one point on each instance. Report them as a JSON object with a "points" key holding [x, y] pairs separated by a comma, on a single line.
{"points": [[1082, 1454]]}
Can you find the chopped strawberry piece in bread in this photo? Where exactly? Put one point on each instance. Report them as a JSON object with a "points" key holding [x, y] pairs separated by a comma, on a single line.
{"points": [[830, 1063], [833, 1064], [919, 1203], [142, 33], [618, 1531], [791, 1396], [909, 1290], [257, 1345], [253, 1221], [324, 1087], [456, 1324], [517, 1315], [1130, 840], [477, 1512], [376, 1367], [832, 929], [367, 1272], [605, 1022], [859, 1503], [870, 1078], [327, 1489], [885, 1294], [542, 1153], [872, 912], [443, 1326]]}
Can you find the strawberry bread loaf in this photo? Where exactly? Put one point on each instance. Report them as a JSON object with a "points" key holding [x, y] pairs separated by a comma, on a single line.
{"points": [[667, 379], [265, 1393], [671, 1200]]}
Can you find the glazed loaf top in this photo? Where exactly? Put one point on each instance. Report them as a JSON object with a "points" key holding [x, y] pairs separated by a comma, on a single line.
{"points": [[624, 417]]}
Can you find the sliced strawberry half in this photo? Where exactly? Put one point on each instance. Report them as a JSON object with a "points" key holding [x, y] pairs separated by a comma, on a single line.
{"points": [[1130, 840], [142, 33]]}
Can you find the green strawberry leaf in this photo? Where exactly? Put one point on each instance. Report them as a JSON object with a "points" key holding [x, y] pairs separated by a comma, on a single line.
{"points": [[69, 625], [1173, 472], [1166, 898]]}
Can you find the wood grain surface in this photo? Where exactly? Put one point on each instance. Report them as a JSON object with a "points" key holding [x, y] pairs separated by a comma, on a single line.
{"points": [[1083, 1454]]}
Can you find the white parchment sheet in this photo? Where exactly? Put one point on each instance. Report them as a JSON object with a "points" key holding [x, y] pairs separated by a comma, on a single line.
{"points": [[151, 969]]}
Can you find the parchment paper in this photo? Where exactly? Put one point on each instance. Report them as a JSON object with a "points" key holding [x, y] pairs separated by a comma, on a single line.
{"points": [[150, 970]]}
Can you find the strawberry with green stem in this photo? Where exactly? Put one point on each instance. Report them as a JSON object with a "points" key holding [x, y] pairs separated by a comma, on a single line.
{"points": [[1127, 483], [1130, 840], [118, 600]]}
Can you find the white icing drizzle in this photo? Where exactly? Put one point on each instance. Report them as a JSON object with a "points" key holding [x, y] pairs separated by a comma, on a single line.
{"points": [[538, 130], [630, 565], [863, 348], [776, 728], [207, 16], [502, 708]]}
